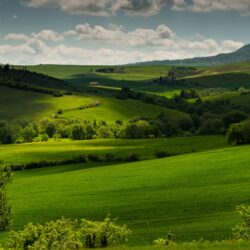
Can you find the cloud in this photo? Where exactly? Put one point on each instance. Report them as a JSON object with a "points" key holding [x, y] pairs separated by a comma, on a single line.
{"points": [[105, 7], [43, 35], [16, 37], [241, 6], [161, 36], [113, 45], [48, 35], [139, 7]]}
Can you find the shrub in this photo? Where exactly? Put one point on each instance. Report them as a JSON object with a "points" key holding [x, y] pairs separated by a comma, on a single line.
{"points": [[212, 126], [61, 234], [162, 154], [242, 230], [45, 137], [5, 207], [94, 158], [78, 132], [29, 133], [132, 158], [103, 233], [233, 117], [239, 133], [67, 234], [165, 242]]}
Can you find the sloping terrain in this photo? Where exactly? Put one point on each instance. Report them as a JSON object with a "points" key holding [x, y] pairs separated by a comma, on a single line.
{"points": [[193, 195]]}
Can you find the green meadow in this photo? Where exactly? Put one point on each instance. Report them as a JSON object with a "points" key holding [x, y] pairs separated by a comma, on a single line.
{"points": [[65, 148], [21, 104], [193, 195]]}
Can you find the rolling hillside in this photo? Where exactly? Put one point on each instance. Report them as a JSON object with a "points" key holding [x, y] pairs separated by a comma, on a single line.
{"points": [[193, 195], [19, 104]]}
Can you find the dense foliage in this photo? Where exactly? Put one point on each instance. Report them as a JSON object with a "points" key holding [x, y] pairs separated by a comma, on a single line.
{"points": [[242, 230], [67, 234], [5, 207], [239, 133], [21, 78]]}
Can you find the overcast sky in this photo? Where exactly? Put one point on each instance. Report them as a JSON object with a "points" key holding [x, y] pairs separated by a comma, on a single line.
{"points": [[119, 31]]}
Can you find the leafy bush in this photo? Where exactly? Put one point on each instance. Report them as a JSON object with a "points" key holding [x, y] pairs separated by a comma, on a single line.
{"points": [[5, 207], [242, 230], [212, 126], [103, 234], [239, 133], [67, 234], [233, 117], [78, 132], [165, 242], [132, 158], [162, 154], [61, 234], [29, 133]]}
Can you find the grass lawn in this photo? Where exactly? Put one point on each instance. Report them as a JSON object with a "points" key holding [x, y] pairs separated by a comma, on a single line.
{"points": [[193, 195], [20, 104], [55, 150]]}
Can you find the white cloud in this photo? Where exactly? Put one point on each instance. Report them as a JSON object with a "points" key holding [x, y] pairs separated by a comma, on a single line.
{"points": [[48, 35], [112, 45], [241, 6], [139, 7], [105, 7], [16, 37], [161, 36]]}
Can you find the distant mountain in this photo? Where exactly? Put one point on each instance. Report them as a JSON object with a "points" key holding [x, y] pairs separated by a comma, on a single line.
{"points": [[241, 55]]}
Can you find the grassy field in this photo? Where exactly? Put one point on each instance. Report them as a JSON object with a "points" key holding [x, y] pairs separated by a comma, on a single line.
{"points": [[230, 76], [19, 104], [193, 195], [63, 149], [112, 109], [193, 246]]}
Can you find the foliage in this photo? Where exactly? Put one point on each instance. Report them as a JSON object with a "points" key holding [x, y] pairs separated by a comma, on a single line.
{"points": [[5, 207], [239, 133], [242, 230], [165, 242], [55, 235], [67, 234], [233, 117], [103, 234], [29, 133]]}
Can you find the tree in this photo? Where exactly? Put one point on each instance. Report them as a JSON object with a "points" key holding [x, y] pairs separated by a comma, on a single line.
{"points": [[8, 133], [78, 132], [5, 207], [233, 117], [29, 133], [239, 133], [90, 132], [50, 129], [212, 126], [6, 68]]}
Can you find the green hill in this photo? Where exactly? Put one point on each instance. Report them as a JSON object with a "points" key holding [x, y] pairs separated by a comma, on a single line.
{"points": [[19, 104], [193, 195]]}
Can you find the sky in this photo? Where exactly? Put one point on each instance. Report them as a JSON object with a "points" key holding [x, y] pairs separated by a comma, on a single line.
{"points": [[110, 32]]}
